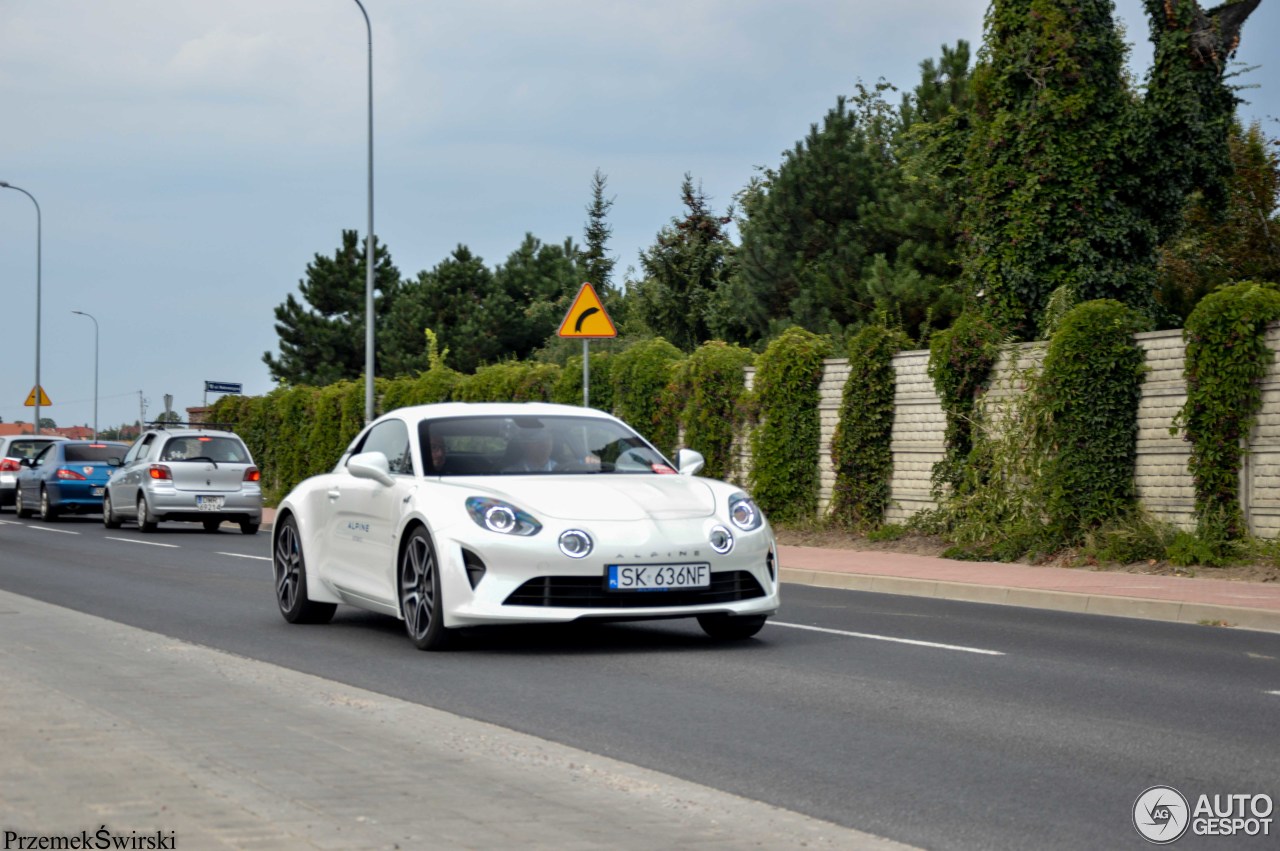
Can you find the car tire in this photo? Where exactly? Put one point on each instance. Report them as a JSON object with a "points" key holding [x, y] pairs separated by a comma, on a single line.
{"points": [[22, 511], [47, 512], [109, 518], [421, 603], [211, 525], [731, 627], [146, 520], [289, 568], [249, 528]]}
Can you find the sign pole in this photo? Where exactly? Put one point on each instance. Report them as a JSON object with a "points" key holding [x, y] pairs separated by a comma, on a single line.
{"points": [[586, 375]]}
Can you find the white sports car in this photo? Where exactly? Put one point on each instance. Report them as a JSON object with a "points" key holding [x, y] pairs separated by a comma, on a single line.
{"points": [[457, 515]]}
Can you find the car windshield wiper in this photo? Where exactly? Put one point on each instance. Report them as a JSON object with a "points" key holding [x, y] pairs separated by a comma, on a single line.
{"points": [[205, 458]]}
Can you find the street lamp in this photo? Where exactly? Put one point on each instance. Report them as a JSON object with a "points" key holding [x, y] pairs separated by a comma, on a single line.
{"points": [[95, 370], [368, 246], [38, 391]]}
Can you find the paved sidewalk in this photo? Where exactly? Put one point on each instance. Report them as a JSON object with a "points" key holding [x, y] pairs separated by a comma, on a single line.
{"points": [[1255, 605], [108, 727]]}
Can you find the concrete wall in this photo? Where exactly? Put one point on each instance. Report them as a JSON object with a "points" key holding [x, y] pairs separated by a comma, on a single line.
{"points": [[1163, 483]]}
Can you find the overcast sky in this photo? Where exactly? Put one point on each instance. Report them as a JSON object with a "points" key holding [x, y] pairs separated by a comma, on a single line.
{"points": [[191, 157]]}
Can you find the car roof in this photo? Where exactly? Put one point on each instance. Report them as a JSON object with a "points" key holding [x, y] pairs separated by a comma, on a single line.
{"points": [[187, 432], [442, 410], [8, 438]]}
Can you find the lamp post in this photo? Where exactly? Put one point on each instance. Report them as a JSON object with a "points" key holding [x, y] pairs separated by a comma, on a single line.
{"points": [[95, 370], [38, 390], [368, 246]]}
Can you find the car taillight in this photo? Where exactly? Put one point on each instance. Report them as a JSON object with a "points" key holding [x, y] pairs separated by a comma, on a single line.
{"points": [[68, 475], [160, 471], [10, 465], [252, 475]]}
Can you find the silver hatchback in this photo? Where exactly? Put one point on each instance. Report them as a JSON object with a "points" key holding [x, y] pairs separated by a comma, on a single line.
{"points": [[200, 475]]}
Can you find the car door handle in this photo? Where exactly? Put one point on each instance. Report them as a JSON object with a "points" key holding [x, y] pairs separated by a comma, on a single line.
{"points": [[334, 493]]}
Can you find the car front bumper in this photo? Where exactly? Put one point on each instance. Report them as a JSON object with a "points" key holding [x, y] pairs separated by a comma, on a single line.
{"points": [[538, 584]]}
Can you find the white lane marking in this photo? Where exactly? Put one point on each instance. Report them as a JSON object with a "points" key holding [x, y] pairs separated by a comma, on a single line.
{"points": [[10, 523], [1276, 693], [148, 543], [47, 529], [242, 555], [890, 638]]}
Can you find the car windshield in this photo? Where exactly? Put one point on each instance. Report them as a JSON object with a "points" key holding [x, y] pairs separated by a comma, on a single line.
{"points": [[205, 448], [535, 445], [87, 452]]}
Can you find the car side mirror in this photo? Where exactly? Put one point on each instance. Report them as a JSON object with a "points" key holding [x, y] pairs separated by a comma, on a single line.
{"points": [[689, 462], [371, 465], [27, 462]]}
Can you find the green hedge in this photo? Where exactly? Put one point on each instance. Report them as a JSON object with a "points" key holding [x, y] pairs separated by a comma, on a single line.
{"points": [[1090, 385], [785, 444], [711, 386], [860, 449], [640, 377], [568, 389], [960, 362], [1227, 356]]}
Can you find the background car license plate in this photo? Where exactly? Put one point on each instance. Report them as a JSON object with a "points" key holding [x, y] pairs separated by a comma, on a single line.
{"points": [[97, 491], [657, 577], [208, 503]]}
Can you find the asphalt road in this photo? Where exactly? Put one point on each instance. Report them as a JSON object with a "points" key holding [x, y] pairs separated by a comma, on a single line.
{"points": [[940, 724]]}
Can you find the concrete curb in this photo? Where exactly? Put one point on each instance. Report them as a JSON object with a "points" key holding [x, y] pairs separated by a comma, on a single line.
{"points": [[1172, 611]]}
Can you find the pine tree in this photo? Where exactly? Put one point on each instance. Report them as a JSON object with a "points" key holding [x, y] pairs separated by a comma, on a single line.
{"points": [[596, 263], [322, 336], [683, 269]]}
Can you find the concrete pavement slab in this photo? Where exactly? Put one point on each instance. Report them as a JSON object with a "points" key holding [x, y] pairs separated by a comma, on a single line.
{"points": [[107, 727]]}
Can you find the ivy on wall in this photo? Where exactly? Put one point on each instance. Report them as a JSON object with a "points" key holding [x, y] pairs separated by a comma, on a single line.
{"points": [[785, 444], [960, 362], [1226, 358], [860, 450], [712, 384], [1090, 386]]}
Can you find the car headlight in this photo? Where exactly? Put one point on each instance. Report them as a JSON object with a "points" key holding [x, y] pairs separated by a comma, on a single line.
{"points": [[744, 513], [575, 543], [501, 517]]}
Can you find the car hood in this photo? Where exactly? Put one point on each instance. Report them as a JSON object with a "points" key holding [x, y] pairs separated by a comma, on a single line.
{"points": [[608, 496]]}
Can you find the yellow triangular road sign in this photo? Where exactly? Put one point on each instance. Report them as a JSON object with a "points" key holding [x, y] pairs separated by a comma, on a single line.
{"points": [[587, 317], [31, 397]]}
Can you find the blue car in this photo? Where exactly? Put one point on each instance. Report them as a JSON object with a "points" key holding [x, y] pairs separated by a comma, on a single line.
{"points": [[67, 476]]}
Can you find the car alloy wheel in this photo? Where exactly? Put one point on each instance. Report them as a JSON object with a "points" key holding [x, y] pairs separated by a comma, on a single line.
{"points": [[290, 570], [47, 512], [109, 518], [420, 599], [18, 505], [146, 522]]}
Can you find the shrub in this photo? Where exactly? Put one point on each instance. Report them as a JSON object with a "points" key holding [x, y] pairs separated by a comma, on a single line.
{"points": [[1226, 357], [785, 444], [960, 362], [640, 376], [711, 387], [1090, 386], [568, 389], [860, 449]]}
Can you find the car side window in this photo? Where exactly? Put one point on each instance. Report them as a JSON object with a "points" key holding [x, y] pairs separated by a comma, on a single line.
{"points": [[139, 449], [44, 456], [391, 438]]}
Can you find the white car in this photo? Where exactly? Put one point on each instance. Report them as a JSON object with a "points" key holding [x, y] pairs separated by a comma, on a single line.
{"points": [[457, 514]]}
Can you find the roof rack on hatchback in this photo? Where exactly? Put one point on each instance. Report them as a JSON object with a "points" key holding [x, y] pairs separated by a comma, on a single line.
{"points": [[201, 426]]}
